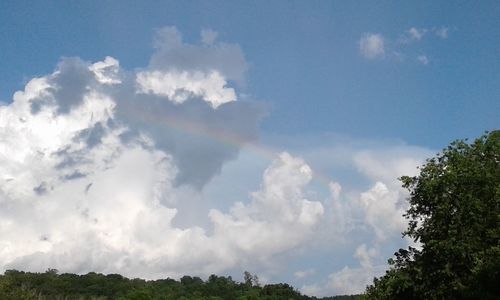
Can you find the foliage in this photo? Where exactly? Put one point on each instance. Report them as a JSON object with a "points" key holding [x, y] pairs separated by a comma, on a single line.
{"points": [[18, 285], [454, 214]]}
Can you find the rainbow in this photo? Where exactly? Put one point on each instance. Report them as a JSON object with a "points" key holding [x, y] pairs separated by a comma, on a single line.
{"points": [[194, 128]]}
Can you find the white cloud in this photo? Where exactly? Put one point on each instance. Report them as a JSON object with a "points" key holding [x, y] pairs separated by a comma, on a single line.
{"points": [[304, 273], [372, 216], [107, 71], [278, 212], [342, 215], [365, 255], [349, 280], [442, 32], [89, 188], [382, 211], [181, 71], [423, 59], [415, 34], [388, 164], [91, 169], [384, 203], [371, 46], [115, 221], [181, 86], [335, 189]]}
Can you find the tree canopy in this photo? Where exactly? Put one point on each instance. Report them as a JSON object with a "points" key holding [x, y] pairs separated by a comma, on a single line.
{"points": [[19, 285], [454, 215]]}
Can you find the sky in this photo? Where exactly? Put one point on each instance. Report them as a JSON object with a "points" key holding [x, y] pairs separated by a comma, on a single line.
{"points": [[163, 138]]}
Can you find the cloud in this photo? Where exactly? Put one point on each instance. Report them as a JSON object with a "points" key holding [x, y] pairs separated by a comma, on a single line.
{"points": [[208, 36], [382, 211], [414, 34], [423, 59], [107, 71], [120, 224], [93, 167], [179, 87], [376, 214], [304, 273], [278, 213], [442, 32], [190, 127], [388, 164], [374, 46], [184, 101], [371, 46], [90, 179], [341, 211], [350, 280], [172, 54], [364, 213], [182, 71], [383, 204]]}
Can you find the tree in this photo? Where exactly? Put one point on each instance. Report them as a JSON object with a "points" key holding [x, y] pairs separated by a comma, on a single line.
{"points": [[250, 280], [454, 214]]}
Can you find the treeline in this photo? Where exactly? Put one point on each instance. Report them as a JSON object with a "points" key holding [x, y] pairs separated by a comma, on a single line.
{"points": [[18, 285]]}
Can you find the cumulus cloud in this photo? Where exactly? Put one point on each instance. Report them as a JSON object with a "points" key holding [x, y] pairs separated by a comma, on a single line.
{"points": [[91, 165], [341, 210], [376, 213], [371, 216], [181, 86], [278, 212], [115, 221], [382, 210], [371, 46], [178, 108], [107, 71], [383, 204], [349, 280], [352, 280]]}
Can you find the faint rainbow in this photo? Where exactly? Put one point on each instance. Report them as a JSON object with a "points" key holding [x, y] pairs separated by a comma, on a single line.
{"points": [[194, 128]]}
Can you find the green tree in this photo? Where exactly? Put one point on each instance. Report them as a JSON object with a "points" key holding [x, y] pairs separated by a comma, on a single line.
{"points": [[454, 214]]}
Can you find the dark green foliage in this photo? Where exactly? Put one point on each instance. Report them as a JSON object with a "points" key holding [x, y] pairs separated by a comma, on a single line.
{"points": [[455, 214], [17, 285], [344, 297]]}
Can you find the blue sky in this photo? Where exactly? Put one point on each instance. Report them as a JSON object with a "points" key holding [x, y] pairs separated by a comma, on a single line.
{"points": [[357, 91], [304, 58]]}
